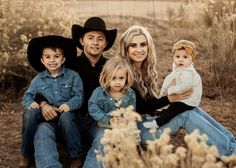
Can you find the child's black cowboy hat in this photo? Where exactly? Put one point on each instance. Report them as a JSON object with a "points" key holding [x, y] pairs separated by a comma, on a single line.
{"points": [[36, 46], [93, 24]]}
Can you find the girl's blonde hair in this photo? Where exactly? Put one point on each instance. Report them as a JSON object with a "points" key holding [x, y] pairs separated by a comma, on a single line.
{"points": [[111, 67], [147, 82]]}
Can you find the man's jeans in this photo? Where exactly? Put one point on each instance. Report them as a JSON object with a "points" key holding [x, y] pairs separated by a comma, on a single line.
{"points": [[47, 134], [91, 161], [197, 119]]}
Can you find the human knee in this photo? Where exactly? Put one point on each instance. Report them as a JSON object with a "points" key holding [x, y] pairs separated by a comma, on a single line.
{"points": [[30, 115], [44, 129], [67, 119]]}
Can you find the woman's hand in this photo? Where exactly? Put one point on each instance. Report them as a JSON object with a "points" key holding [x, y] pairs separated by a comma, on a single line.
{"points": [[175, 97]]}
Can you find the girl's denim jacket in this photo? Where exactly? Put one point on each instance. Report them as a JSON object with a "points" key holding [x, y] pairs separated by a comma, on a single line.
{"points": [[101, 104]]}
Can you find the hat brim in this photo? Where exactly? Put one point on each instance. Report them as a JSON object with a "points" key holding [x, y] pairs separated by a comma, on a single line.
{"points": [[78, 32], [36, 46]]}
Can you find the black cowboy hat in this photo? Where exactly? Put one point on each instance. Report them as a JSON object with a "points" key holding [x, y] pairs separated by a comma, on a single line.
{"points": [[36, 46], [93, 24]]}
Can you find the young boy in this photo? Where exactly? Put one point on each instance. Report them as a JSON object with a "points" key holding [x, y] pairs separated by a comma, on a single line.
{"points": [[182, 78], [63, 89]]}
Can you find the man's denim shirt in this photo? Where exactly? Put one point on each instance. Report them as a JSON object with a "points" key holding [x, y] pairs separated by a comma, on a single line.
{"points": [[101, 104], [67, 88]]}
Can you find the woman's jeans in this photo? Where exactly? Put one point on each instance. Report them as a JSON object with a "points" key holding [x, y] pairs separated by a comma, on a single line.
{"points": [[47, 135], [197, 119]]}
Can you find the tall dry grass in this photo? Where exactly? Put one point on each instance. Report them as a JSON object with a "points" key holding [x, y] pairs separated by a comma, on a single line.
{"points": [[212, 25], [122, 150], [20, 21]]}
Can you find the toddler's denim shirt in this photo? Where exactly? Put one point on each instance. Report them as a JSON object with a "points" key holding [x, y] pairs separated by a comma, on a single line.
{"points": [[101, 104]]}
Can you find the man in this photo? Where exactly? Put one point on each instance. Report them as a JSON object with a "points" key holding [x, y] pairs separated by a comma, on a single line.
{"points": [[93, 38]]}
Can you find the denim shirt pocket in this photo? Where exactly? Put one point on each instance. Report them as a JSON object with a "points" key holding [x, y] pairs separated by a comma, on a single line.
{"points": [[44, 90], [65, 90]]}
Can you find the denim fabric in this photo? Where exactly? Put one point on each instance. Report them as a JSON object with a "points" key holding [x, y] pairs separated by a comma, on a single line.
{"points": [[67, 88], [91, 161], [197, 119], [101, 104], [31, 119], [47, 134]]}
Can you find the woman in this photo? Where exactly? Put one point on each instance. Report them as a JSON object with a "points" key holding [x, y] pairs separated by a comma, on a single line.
{"points": [[137, 46]]}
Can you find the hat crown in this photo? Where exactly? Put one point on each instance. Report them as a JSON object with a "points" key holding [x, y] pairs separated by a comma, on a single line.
{"points": [[95, 23], [36, 46]]}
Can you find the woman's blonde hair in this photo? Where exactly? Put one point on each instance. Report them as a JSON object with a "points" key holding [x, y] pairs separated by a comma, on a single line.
{"points": [[111, 67], [147, 82]]}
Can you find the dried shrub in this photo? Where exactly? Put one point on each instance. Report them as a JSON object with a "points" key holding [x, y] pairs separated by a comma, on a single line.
{"points": [[121, 151], [212, 26], [20, 21]]}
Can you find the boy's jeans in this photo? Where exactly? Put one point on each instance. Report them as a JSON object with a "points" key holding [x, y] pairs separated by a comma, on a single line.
{"points": [[47, 134], [30, 120], [197, 119]]}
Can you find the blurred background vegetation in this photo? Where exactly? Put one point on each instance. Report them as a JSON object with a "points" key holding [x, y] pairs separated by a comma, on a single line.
{"points": [[211, 24]]}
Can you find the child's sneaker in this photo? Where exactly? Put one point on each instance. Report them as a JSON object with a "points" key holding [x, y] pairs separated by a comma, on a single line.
{"points": [[150, 124]]}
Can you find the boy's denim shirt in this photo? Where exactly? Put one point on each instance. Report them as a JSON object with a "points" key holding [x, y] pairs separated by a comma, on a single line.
{"points": [[101, 104], [67, 88]]}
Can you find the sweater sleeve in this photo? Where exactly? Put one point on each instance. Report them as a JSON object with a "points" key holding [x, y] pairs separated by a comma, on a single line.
{"points": [[184, 83], [149, 105]]}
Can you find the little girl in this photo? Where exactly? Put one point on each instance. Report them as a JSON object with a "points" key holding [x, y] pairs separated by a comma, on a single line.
{"points": [[114, 92]]}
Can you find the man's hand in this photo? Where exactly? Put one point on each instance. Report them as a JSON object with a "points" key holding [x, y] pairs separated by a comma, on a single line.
{"points": [[49, 112]]}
